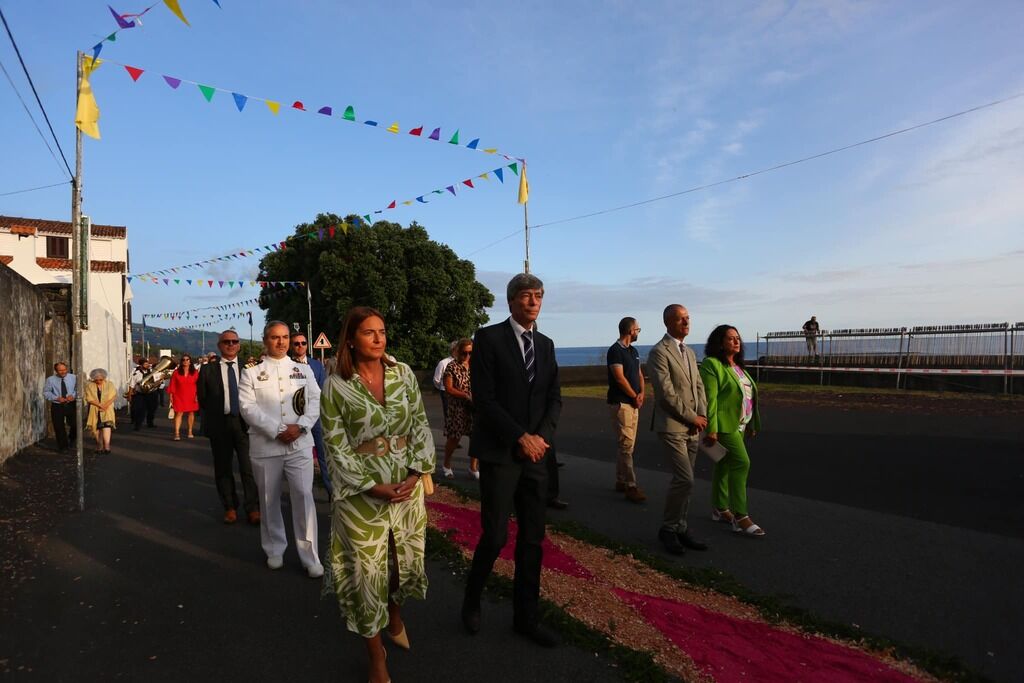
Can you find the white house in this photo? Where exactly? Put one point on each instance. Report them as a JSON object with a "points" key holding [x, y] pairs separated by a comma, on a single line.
{"points": [[40, 251]]}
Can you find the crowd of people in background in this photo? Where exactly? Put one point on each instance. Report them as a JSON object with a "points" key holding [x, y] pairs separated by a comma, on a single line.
{"points": [[360, 422]]}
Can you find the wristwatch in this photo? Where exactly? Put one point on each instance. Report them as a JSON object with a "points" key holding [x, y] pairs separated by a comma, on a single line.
{"points": [[303, 430]]}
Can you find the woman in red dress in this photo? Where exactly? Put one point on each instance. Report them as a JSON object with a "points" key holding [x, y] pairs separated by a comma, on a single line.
{"points": [[183, 395]]}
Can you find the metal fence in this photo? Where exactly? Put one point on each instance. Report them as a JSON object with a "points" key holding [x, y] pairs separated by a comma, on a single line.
{"points": [[992, 349]]}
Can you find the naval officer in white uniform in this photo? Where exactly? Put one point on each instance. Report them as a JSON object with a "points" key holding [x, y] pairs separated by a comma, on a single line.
{"points": [[281, 443]]}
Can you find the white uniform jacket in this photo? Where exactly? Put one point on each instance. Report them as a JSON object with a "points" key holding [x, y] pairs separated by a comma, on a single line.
{"points": [[265, 393]]}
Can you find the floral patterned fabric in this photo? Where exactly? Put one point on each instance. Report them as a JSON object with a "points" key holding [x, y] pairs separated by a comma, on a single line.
{"points": [[458, 419], [361, 524]]}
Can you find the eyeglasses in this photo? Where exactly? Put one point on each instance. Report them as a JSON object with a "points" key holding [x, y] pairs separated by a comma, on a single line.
{"points": [[229, 342], [298, 343]]}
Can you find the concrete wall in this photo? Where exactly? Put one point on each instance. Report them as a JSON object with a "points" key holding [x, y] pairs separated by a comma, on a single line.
{"points": [[30, 342]]}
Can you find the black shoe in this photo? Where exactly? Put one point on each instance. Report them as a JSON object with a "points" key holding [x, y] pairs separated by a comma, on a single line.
{"points": [[557, 504], [690, 542], [538, 634], [471, 618], [670, 540]]}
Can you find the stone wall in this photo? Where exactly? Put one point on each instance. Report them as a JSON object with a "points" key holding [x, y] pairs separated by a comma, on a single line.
{"points": [[32, 340]]}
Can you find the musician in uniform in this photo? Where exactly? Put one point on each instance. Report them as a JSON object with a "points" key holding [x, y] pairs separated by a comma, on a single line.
{"points": [[280, 400], [143, 405]]}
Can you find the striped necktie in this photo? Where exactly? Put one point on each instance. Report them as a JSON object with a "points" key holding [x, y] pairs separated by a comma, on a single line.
{"points": [[528, 359]]}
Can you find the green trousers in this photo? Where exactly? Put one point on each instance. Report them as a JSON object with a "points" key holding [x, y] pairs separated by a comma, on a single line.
{"points": [[729, 479]]}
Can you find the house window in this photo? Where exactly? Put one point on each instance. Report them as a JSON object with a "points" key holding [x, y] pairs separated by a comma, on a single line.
{"points": [[56, 247]]}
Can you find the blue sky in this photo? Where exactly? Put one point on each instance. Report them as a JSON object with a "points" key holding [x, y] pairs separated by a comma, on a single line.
{"points": [[610, 102]]}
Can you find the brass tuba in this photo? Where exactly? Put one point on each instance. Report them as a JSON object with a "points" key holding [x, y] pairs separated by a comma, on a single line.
{"points": [[155, 377]]}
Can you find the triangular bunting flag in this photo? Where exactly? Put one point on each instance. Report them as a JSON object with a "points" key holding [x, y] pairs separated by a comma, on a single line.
{"points": [[473, 144], [121, 23], [416, 131], [391, 205], [500, 173], [188, 281], [207, 91], [393, 128], [174, 7], [514, 167], [129, 278], [298, 105], [326, 111], [367, 217], [112, 37], [484, 176], [350, 114], [96, 49], [240, 100], [455, 139], [274, 107], [165, 281], [468, 183], [407, 202], [421, 200], [173, 82], [451, 188], [491, 150], [370, 123], [330, 232], [436, 135]]}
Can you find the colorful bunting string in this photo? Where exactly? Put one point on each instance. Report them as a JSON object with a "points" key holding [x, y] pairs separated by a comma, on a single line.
{"points": [[223, 307], [263, 284], [133, 19], [347, 114]]}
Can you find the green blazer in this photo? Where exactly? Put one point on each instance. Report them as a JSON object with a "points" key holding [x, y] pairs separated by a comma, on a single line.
{"points": [[725, 398]]}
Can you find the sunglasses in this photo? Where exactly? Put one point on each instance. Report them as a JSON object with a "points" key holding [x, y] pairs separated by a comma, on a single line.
{"points": [[298, 343], [229, 342]]}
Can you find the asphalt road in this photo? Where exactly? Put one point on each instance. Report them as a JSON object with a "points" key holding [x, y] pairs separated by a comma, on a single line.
{"points": [[908, 525]]}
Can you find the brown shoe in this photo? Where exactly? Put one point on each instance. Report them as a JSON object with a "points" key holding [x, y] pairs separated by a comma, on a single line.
{"points": [[254, 517], [635, 495], [620, 487], [230, 516]]}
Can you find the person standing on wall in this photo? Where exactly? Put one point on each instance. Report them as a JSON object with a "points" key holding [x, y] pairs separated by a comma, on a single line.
{"points": [[625, 398], [60, 392], [811, 332]]}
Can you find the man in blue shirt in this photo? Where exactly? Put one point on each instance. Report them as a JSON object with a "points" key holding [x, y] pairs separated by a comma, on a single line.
{"points": [[625, 397], [60, 392], [300, 351]]}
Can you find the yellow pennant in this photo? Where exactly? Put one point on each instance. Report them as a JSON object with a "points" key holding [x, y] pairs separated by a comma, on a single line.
{"points": [[491, 150], [87, 115], [524, 186], [393, 128], [176, 8], [274, 107]]}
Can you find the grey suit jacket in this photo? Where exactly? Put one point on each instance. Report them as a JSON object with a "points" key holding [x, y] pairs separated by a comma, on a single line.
{"points": [[679, 396]]}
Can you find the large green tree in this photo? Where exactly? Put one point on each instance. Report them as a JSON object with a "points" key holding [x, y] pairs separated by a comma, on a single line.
{"points": [[428, 295]]}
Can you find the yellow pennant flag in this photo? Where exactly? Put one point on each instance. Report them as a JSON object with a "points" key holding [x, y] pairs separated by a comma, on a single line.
{"points": [[87, 116], [176, 8], [275, 107], [524, 186]]}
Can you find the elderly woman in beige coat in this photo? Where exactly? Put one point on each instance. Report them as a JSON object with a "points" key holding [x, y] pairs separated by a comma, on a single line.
{"points": [[101, 420]]}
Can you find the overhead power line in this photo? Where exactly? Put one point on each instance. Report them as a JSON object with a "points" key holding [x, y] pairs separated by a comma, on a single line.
{"points": [[751, 174], [33, 189], [35, 92]]}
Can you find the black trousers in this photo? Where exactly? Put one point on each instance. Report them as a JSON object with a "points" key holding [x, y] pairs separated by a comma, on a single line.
{"points": [[551, 463], [63, 415], [144, 408], [506, 487], [232, 440]]}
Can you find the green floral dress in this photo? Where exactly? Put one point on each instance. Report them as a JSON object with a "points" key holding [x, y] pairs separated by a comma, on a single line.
{"points": [[360, 524]]}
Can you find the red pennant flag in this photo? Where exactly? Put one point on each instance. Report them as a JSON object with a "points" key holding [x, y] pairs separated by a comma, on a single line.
{"points": [[298, 105], [392, 204], [330, 231], [133, 72], [282, 246], [210, 282], [468, 183], [416, 131]]}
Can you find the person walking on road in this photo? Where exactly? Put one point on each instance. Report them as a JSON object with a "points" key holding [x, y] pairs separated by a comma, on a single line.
{"points": [[680, 414], [223, 425], [99, 395], [380, 455], [300, 354], [143, 405], [625, 398], [518, 400], [59, 390], [439, 377], [811, 332], [732, 416], [458, 418], [182, 391], [280, 400]]}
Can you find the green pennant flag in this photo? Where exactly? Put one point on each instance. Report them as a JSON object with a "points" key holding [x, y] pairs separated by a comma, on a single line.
{"points": [[350, 114], [455, 139], [367, 217], [177, 282], [112, 37], [207, 91], [515, 168]]}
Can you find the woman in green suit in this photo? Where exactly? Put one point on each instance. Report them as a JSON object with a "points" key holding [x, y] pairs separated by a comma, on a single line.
{"points": [[732, 416]]}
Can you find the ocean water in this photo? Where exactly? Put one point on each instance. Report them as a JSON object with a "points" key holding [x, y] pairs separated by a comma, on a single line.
{"points": [[596, 355]]}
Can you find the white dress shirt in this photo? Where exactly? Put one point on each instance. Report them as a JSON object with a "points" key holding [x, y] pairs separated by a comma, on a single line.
{"points": [[519, 329]]}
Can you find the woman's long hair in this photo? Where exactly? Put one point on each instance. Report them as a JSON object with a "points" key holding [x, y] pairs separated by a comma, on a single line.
{"points": [[715, 348], [346, 366], [191, 365]]}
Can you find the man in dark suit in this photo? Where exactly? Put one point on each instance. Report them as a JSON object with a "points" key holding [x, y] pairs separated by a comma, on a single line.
{"points": [[223, 425], [300, 354], [517, 401]]}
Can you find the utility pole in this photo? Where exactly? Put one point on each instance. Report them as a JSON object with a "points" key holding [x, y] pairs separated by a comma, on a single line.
{"points": [[78, 248], [309, 305], [526, 231]]}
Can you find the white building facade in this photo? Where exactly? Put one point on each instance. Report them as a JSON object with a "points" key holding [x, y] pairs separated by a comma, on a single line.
{"points": [[40, 251]]}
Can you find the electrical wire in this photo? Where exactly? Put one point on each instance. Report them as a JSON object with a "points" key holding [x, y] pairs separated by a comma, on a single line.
{"points": [[33, 189], [35, 92], [769, 169]]}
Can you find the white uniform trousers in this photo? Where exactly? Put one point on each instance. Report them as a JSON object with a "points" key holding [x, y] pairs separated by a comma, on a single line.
{"points": [[297, 468]]}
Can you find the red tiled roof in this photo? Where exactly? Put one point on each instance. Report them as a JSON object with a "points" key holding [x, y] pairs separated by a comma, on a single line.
{"points": [[94, 266], [5, 259], [19, 225]]}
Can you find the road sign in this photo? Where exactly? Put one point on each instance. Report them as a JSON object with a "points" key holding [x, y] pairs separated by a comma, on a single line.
{"points": [[321, 342]]}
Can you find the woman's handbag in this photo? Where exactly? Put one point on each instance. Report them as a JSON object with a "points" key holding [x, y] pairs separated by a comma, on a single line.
{"points": [[428, 483]]}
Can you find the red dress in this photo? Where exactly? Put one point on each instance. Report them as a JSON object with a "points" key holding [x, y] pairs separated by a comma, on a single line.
{"points": [[183, 392]]}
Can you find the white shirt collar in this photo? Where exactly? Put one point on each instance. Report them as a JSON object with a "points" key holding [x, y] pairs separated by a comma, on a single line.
{"points": [[677, 341], [517, 328]]}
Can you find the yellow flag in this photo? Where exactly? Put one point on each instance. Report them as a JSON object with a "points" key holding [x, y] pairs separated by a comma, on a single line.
{"points": [[524, 186], [87, 116], [176, 8]]}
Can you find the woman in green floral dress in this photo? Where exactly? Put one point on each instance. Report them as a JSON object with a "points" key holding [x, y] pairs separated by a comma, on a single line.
{"points": [[378, 446]]}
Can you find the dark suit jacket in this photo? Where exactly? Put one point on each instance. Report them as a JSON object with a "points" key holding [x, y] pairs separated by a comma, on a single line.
{"points": [[210, 390], [506, 405]]}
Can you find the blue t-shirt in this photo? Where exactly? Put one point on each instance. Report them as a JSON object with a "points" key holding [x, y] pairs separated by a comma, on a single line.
{"points": [[629, 359]]}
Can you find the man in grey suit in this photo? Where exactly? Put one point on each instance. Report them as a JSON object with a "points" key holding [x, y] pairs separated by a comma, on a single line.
{"points": [[680, 414]]}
